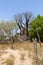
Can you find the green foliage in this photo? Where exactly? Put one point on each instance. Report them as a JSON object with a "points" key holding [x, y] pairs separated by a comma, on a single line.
{"points": [[36, 24]]}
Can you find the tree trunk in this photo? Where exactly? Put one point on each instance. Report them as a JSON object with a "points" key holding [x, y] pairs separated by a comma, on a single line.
{"points": [[38, 37], [27, 29]]}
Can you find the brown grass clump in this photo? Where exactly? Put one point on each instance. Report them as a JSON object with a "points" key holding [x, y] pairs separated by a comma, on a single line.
{"points": [[22, 56], [10, 60]]}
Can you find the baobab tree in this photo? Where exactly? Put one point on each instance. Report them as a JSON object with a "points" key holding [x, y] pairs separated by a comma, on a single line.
{"points": [[27, 17], [18, 19], [23, 24]]}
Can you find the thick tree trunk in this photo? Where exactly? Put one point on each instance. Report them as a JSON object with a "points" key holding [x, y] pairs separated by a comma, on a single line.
{"points": [[27, 29]]}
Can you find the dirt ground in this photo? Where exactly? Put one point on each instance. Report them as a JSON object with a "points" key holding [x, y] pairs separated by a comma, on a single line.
{"points": [[21, 54]]}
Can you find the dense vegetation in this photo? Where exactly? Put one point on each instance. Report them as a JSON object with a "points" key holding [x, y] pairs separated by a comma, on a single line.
{"points": [[25, 25], [36, 28]]}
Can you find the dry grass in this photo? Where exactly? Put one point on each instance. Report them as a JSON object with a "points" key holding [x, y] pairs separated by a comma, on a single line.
{"points": [[26, 45], [10, 60]]}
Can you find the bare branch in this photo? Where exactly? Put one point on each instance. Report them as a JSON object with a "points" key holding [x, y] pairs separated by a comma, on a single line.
{"points": [[27, 16]]}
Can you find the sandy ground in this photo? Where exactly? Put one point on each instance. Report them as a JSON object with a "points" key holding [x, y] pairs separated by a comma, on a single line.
{"points": [[17, 54]]}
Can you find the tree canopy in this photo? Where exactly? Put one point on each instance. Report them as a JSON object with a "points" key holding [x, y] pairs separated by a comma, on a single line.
{"points": [[36, 25]]}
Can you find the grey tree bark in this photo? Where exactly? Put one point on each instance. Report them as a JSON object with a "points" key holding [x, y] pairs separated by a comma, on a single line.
{"points": [[38, 37]]}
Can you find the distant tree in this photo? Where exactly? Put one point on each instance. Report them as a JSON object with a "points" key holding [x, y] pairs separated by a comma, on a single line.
{"points": [[1, 34], [8, 28], [18, 19], [23, 24], [27, 17]]}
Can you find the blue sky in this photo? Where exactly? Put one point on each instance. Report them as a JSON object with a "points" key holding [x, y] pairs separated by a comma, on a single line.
{"points": [[8, 8]]}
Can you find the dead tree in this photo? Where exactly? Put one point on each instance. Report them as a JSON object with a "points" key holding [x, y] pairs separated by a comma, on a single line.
{"points": [[23, 26], [27, 17], [18, 19]]}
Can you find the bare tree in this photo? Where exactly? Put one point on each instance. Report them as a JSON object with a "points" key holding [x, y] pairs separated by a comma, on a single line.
{"points": [[18, 19], [27, 18], [8, 27], [23, 26]]}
